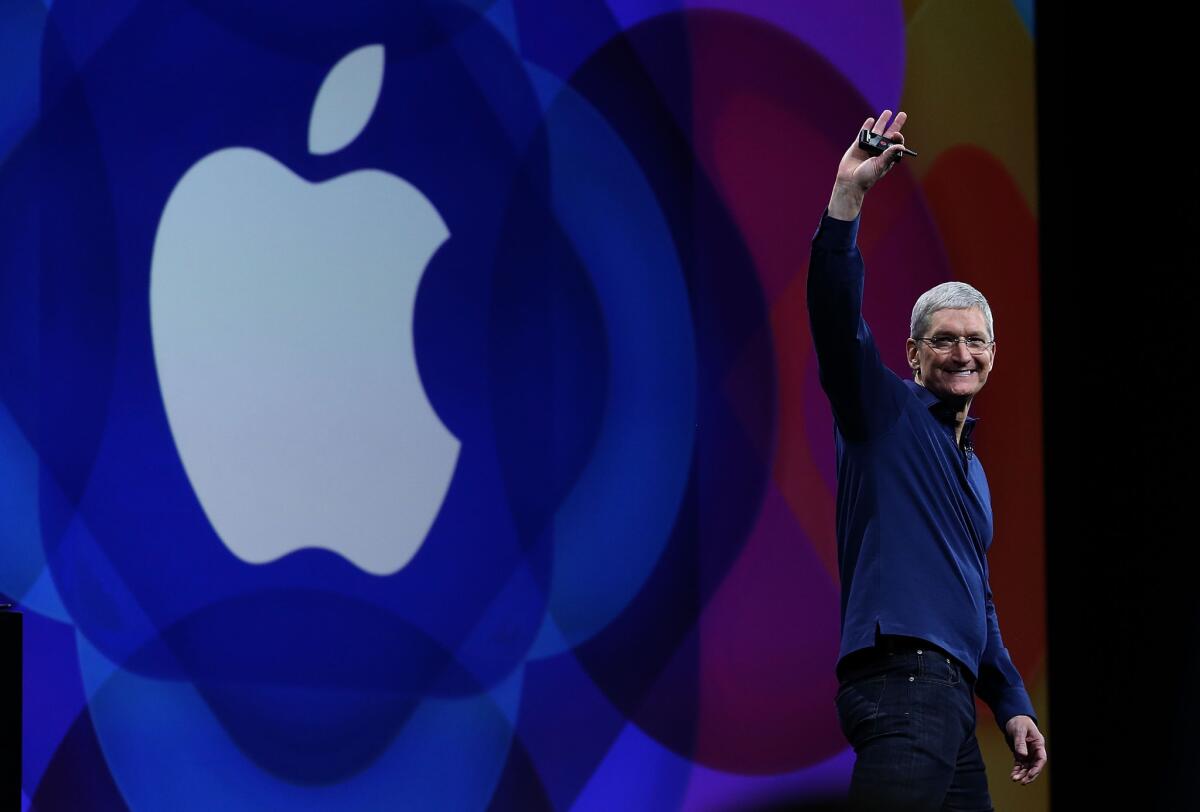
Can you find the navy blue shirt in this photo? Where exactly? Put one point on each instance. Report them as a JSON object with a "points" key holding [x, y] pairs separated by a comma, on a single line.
{"points": [[914, 514]]}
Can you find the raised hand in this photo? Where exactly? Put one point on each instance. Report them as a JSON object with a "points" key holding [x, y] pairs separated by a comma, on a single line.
{"points": [[859, 170]]}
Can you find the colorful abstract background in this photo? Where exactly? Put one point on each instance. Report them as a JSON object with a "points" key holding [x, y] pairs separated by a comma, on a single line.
{"points": [[628, 598]]}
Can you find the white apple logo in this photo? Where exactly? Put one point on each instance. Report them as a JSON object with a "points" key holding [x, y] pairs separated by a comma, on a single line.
{"points": [[281, 314]]}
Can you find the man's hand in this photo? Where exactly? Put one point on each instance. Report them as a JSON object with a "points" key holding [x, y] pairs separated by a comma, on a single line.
{"points": [[1028, 746], [859, 170]]}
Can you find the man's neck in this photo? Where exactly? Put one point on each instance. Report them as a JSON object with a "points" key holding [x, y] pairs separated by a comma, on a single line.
{"points": [[960, 406]]}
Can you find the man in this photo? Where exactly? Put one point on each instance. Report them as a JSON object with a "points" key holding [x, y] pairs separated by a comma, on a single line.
{"points": [[914, 521]]}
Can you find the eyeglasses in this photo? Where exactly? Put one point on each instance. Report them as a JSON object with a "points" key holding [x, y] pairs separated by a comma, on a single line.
{"points": [[975, 345]]}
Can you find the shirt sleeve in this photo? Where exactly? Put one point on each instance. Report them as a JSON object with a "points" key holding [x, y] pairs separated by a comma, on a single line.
{"points": [[999, 684], [861, 390]]}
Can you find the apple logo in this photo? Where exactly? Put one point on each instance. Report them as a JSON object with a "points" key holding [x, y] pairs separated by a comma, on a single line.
{"points": [[281, 317]]}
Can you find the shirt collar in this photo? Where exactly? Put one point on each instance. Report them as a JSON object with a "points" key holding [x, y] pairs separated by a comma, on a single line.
{"points": [[943, 412]]}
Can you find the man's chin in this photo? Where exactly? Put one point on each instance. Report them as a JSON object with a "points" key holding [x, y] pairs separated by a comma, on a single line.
{"points": [[956, 392]]}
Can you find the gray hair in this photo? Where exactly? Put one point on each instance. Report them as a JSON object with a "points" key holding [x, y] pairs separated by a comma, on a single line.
{"points": [[948, 296]]}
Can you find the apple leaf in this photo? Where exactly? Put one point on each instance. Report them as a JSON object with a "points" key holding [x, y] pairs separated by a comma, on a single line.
{"points": [[346, 100]]}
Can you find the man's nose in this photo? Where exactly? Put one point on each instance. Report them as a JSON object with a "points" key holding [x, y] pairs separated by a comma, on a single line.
{"points": [[960, 352]]}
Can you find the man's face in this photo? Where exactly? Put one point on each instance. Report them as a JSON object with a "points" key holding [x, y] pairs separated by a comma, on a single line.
{"points": [[955, 374]]}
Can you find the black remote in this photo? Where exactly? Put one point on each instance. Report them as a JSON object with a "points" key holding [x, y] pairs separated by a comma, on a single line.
{"points": [[876, 144]]}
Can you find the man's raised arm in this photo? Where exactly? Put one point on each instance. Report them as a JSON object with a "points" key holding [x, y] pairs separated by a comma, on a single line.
{"points": [[851, 371]]}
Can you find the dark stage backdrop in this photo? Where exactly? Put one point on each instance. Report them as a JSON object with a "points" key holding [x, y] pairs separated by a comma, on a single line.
{"points": [[412, 405], [1118, 219]]}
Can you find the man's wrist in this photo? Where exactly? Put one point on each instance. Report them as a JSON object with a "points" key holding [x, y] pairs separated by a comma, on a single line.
{"points": [[845, 203]]}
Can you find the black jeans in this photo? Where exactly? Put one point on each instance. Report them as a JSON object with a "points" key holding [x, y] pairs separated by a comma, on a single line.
{"points": [[909, 712]]}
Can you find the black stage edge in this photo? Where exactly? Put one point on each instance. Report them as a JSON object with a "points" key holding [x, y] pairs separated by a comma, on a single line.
{"points": [[1121, 333], [10, 710]]}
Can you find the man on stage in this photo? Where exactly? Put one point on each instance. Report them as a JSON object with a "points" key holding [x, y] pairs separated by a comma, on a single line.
{"points": [[920, 636]]}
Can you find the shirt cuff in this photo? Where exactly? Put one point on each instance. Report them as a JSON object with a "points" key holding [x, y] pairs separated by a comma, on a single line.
{"points": [[836, 235], [1015, 702]]}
